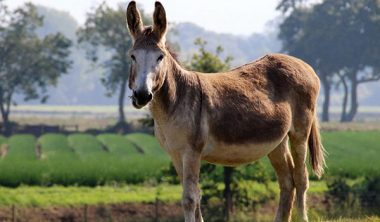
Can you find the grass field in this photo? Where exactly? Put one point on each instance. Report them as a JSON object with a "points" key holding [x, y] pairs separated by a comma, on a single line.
{"points": [[352, 154]]}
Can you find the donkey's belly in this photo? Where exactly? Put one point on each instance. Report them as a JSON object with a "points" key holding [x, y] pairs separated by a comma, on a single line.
{"points": [[236, 154]]}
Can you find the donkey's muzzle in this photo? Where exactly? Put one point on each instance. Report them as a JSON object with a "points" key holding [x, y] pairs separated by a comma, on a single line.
{"points": [[141, 98]]}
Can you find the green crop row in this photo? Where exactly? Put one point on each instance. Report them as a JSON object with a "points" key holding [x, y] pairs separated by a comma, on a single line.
{"points": [[81, 159]]}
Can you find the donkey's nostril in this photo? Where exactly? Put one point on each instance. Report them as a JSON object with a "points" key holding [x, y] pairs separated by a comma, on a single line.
{"points": [[150, 96]]}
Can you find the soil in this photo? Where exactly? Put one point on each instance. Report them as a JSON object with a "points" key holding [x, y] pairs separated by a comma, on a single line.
{"points": [[113, 212], [133, 212]]}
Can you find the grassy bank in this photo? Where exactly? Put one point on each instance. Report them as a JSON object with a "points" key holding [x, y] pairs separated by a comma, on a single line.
{"points": [[36, 196]]}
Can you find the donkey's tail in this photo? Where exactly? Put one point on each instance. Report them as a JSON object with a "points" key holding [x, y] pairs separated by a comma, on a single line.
{"points": [[317, 152]]}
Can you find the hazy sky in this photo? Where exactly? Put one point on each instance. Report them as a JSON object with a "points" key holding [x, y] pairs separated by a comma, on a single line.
{"points": [[231, 16]]}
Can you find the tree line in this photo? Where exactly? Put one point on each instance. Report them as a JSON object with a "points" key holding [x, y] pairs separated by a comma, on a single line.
{"points": [[338, 38]]}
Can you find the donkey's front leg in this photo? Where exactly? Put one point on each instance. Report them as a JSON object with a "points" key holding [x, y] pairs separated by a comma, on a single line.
{"points": [[191, 193]]}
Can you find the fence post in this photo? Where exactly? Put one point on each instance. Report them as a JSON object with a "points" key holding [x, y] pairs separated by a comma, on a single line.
{"points": [[157, 219], [85, 219], [13, 213]]}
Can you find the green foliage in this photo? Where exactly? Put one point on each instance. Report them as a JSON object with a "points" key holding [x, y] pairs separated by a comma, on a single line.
{"points": [[288, 5], [243, 177], [368, 192], [353, 197], [208, 62], [339, 189]]}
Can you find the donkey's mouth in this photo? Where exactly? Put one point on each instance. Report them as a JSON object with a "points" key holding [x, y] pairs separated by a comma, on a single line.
{"points": [[137, 106]]}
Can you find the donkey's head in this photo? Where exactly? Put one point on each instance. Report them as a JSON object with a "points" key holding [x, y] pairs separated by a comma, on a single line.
{"points": [[148, 54]]}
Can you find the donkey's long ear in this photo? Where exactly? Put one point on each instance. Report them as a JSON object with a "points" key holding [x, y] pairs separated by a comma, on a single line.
{"points": [[159, 21], [134, 21]]}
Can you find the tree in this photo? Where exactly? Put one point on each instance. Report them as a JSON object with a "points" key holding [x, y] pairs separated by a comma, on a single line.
{"points": [[357, 45], [105, 28], [288, 5], [340, 39], [28, 64], [205, 61]]}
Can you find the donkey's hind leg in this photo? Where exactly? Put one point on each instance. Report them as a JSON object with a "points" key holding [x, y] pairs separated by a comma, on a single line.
{"points": [[282, 162], [298, 143]]}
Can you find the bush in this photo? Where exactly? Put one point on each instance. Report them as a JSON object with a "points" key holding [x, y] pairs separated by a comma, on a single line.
{"points": [[369, 193], [248, 188], [362, 197]]}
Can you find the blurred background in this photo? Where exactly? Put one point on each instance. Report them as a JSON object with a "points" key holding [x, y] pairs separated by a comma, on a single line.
{"points": [[74, 149]]}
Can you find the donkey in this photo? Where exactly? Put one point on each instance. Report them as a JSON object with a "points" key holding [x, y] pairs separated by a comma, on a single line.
{"points": [[229, 118]]}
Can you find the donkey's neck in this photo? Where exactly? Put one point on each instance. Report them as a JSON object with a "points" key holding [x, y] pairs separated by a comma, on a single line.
{"points": [[180, 92]]}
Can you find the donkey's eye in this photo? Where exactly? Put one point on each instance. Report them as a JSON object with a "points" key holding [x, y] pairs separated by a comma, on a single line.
{"points": [[160, 58], [133, 58]]}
